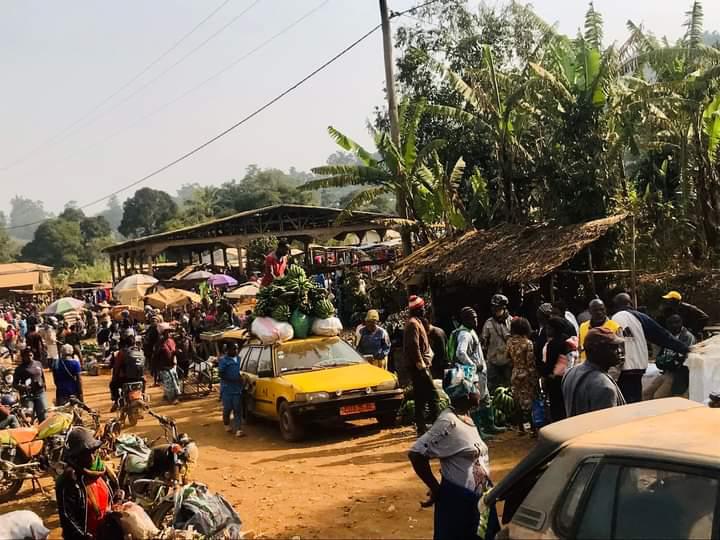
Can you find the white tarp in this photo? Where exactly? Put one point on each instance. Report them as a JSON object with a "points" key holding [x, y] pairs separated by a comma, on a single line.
{"points": [[704, 365]]}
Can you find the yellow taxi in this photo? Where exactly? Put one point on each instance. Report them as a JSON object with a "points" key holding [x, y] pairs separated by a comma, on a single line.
{"points": [[317, 379]]}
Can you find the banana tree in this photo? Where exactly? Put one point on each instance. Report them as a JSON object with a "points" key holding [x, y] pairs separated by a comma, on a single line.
{"points": [[393, 170]]}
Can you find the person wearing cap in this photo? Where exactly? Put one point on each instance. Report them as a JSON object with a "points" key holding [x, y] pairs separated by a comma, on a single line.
{"points": [[167, 364], [588, 387], [85, 490], [464, 463], [418, 360], [694, 318], [494, 335], [639, 329], [66, 374], [373, 340]]}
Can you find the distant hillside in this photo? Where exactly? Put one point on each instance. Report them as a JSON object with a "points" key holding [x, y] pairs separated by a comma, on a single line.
{"points": [[712, 39]]}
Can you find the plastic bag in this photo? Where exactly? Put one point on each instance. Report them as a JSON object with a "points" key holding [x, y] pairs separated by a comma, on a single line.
{"points": [[135, 522], [22, 524], [327, 327], [138, 452], [301, 324], [208, 513], [270, 331]]}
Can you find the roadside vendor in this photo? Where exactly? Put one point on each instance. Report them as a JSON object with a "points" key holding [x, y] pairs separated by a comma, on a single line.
{"points": [[373, 340], [275, 264]]}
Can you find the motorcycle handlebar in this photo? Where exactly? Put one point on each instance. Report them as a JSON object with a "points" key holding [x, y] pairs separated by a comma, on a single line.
{"points": [[162, 419]]}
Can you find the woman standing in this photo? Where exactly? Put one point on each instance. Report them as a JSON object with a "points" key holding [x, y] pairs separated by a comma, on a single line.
{"points": [[561, 348], [455, 441], [524, 379]]}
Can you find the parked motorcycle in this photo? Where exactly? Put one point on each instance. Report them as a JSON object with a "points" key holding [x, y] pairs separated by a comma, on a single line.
{"points": [[132, 401], [150, 474], [28, 453]]}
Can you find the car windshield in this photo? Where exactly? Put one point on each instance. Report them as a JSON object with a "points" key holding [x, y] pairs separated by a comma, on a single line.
{"points": [[313, 354]]}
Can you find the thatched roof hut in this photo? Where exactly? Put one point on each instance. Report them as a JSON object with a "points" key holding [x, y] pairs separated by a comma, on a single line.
{"points": [[506, 254]]}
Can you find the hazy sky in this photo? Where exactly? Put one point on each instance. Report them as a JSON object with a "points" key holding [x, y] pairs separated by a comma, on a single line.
{"points": [[61, 59]]}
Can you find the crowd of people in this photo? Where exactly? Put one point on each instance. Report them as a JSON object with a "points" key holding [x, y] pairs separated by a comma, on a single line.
{"points": [[565, 367]]}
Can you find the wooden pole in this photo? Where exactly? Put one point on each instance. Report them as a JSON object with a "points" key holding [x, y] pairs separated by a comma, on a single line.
{"points": [[633, 263], [552, 288], [592, 272]]}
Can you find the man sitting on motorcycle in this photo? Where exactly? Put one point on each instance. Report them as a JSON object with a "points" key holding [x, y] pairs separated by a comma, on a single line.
{"points": [[123, 367], [7, 418], [85, 491], [29, 380]]}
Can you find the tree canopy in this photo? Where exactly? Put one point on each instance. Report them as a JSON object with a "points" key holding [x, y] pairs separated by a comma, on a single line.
{"points": [[147, 212]]}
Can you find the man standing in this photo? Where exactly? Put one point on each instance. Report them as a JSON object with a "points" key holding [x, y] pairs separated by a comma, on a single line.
{"points": [[674, 379], [464, 350], [373, 340], [694, 318], [598, 319], [166, 365], [638, 329], [36, 344], [231, 389], [50, 339], [438, 344], [418, 359], [66, 374], [588, 387], [494, 336], [275, 264]]}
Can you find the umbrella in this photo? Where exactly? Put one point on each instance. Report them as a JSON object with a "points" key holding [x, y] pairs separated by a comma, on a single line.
{"points": [[58, 307], [131, 289], [222, 280], [136, 313], [172, 298], [243, 291], [198, 274], [134, 283]]}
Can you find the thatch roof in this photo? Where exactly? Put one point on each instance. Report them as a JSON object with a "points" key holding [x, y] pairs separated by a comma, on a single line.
{"points": [[503, 254]]}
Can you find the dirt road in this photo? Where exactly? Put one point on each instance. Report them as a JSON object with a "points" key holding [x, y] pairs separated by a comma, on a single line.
{"points": [[349, 482]]}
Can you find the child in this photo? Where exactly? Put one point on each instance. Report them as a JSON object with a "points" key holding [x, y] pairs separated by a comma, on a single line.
{"points": [[524, 379]]}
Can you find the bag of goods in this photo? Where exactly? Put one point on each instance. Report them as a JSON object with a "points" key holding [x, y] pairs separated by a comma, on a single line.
{"points": [[22, 524], [135, 522], [270, 331], [301, 324], [327, 327], [209, 514]]}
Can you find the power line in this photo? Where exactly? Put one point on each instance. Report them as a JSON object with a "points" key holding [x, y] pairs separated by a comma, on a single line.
{"points": [[90, 115], [220, 135], [203, 83]]}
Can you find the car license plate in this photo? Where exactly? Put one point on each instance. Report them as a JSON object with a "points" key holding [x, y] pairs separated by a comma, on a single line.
{"points": [[357, 409]]}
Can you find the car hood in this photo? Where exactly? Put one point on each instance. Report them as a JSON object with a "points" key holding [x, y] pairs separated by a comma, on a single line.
{"points": [[339, 378]]}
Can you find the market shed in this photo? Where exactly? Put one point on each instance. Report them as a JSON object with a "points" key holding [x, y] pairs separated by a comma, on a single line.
{"points": [[503, 254], [187, 246]]}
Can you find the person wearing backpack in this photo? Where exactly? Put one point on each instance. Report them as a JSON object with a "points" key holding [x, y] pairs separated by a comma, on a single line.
{"points": [[66, 374], [128, 365]]}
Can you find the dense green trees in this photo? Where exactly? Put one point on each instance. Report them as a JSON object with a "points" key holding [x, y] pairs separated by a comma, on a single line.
{"points": [[147, 212]]}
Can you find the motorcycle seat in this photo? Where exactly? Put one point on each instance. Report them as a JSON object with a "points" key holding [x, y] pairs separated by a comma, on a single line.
{"points": [[23, 434]]}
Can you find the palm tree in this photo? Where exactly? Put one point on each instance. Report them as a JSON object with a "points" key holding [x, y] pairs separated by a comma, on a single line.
{"points": [[397, 171]]}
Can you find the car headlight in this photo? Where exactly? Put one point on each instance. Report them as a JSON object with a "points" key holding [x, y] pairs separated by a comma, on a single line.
{"points": [[311, 396], [387, 385]]}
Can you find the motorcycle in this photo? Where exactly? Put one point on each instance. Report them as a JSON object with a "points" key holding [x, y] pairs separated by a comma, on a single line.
{"points": [[150, 474], [132, 401], [11, 398], [29, 453]]}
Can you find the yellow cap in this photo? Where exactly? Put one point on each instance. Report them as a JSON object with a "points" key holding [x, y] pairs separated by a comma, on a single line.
{"points": [[673, 295], [372, 315]]}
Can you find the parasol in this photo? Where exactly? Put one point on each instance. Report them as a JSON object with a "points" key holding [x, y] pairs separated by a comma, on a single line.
{"points": [[243, 291], [222, 280], [198, 274], [131, 289], [58, 307], [172, 298]]}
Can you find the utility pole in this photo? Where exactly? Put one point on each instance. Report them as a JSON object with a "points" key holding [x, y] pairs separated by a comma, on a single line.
{"points": [[389, 76], [402, 209]]}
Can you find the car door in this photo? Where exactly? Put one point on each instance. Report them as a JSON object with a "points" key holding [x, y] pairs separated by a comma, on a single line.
{"points": [[249, 358], [623, 498], [265, 395]]}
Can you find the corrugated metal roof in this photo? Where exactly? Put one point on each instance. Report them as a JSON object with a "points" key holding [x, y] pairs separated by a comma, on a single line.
{"points": [[22, 267]]}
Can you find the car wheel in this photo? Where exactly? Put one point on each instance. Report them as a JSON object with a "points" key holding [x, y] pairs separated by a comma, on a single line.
{"points": [[387, 420], [290, 428]]}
